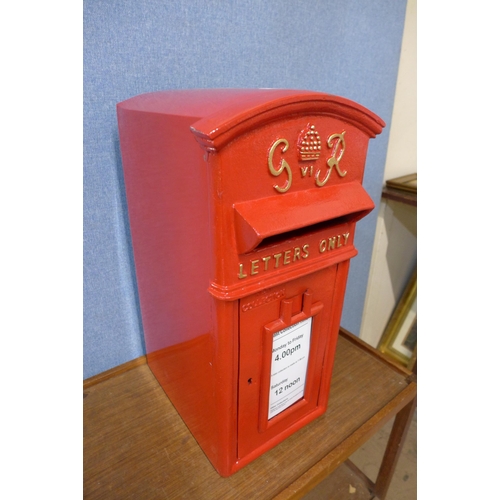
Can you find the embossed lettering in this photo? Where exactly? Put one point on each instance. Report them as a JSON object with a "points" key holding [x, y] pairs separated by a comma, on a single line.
{"points": [[334, 141], [333, 242], [266, 261], [309, 145], [296, 253], [286, 257], [254, 269], [292, 255], [277, 258], [241, 274], [335, 144], [283, 166], [305, 170]]}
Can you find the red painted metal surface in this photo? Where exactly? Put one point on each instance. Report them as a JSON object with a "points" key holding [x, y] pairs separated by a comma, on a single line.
{"points": [[243, 206]]}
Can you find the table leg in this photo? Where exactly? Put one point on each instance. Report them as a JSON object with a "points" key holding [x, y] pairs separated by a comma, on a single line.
{"points": [[398, 434]]}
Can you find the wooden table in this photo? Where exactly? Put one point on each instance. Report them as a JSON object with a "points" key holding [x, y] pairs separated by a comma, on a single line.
{"points": [[137, 447]]}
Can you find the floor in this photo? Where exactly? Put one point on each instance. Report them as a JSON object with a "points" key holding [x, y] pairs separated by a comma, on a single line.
{"points": [[368, 458]]}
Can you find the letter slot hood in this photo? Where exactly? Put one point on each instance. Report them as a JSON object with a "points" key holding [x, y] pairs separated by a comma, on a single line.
{"points": [[257, 220]]}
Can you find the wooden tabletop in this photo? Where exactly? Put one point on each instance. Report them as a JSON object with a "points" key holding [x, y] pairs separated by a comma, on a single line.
{"points": [[137, 447]]}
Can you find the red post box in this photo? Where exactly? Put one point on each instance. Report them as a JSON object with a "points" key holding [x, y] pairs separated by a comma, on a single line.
{"points": [[243, 206]]}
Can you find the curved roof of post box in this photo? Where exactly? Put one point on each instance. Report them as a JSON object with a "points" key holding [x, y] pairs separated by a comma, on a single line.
{"points": [[223, 114], [257, 107]]}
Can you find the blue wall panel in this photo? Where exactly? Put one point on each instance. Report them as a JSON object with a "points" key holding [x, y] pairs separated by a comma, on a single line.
{"points": [[135, 46]]}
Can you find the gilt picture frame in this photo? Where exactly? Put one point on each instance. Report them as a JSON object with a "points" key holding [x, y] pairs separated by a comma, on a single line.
{"points": [[399, 340], [405, 183]]}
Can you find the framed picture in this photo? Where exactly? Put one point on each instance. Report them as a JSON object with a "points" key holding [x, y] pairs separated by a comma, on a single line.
{"points": [[399, 339], [406, 183]]}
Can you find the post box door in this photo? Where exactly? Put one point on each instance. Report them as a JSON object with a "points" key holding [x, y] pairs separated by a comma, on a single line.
{"points": [[284, 334]]}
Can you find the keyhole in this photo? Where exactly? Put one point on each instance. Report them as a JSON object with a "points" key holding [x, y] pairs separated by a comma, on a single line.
{"points": [[250, 380]]}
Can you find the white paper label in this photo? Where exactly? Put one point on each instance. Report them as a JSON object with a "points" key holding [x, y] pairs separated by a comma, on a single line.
{"points": [[289, 366]]}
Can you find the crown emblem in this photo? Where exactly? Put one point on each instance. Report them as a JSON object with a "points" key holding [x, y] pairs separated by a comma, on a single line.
{"points": [[309, 144]]}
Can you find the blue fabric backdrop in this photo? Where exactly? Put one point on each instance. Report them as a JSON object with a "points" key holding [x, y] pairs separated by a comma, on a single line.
{"points": [[135, 46]]}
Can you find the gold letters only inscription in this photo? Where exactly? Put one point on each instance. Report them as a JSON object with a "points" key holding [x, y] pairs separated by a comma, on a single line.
{"points": [[265, 263], [284, 258]]}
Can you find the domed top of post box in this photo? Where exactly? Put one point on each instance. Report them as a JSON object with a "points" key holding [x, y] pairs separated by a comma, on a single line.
{"points": [[223, 114]]}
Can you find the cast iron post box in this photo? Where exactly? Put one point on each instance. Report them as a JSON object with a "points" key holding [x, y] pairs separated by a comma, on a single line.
{"points": [[243, 206]]}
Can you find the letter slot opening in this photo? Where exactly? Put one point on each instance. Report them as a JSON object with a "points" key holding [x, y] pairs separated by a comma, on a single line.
{"points": [[266, 222], [295, 233]]}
